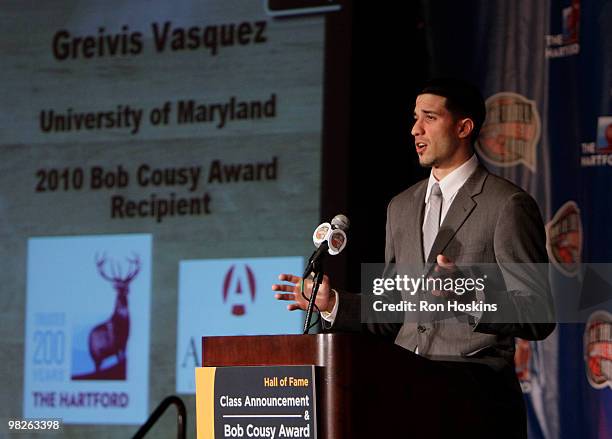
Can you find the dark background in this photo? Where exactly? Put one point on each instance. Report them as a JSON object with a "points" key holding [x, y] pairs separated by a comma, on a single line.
{"points": [[376, 60]]}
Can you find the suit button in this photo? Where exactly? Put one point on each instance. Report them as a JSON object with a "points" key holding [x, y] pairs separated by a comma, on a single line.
{"points": [[421, 328]]}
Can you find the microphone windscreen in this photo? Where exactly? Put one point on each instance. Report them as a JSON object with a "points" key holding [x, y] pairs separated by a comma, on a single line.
{"points": [[341, 222]]}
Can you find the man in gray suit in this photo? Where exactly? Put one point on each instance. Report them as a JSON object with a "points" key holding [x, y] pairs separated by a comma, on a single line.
{"points": [[460, 215]]}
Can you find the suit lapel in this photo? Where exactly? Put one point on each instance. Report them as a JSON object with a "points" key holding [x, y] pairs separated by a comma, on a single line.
{"points": [[459, 211], [420, 196]]}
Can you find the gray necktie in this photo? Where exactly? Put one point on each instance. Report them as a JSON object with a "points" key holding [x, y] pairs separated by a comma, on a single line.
{"points": [[432, 223]]}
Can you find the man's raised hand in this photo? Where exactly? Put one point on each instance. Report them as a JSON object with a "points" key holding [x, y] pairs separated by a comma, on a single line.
{"points": [[290, 291]]}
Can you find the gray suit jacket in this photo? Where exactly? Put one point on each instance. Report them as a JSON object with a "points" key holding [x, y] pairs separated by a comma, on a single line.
{"points": [[490, 221]]}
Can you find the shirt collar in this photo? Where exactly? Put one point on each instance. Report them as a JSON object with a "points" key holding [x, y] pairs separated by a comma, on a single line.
{"points": [[450, 184]]}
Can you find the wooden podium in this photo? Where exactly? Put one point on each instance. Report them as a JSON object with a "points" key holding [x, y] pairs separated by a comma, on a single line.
{"points": [[366, 387]]}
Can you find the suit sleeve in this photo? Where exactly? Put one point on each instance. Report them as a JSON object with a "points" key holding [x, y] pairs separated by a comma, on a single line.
{"points": [[349, 316], [525, 304]]}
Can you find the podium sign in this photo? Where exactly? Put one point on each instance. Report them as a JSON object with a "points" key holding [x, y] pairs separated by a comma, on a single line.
{"points": [[256, 402]]}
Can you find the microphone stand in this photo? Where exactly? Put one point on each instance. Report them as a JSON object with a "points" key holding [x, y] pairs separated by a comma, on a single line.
{"points": [[317, 281]]}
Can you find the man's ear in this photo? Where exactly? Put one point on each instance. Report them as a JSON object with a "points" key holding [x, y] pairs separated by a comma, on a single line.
{"points": [[465, 127]]}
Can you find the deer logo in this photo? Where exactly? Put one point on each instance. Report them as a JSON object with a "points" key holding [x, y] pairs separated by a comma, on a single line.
{"points": [[110, 337]]}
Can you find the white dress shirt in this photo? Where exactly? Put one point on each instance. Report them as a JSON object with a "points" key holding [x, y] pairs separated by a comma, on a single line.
{"points": [[449, 186]]}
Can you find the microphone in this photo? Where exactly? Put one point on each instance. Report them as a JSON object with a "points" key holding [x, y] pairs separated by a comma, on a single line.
{"points": [[330, 238]]}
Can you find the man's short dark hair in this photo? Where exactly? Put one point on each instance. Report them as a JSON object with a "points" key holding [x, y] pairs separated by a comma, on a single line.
{"points": [[462, 100]]}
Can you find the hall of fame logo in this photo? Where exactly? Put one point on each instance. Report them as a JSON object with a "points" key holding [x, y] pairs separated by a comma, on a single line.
{"points": [[511, 131], [598, 349], [564, 239]]}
